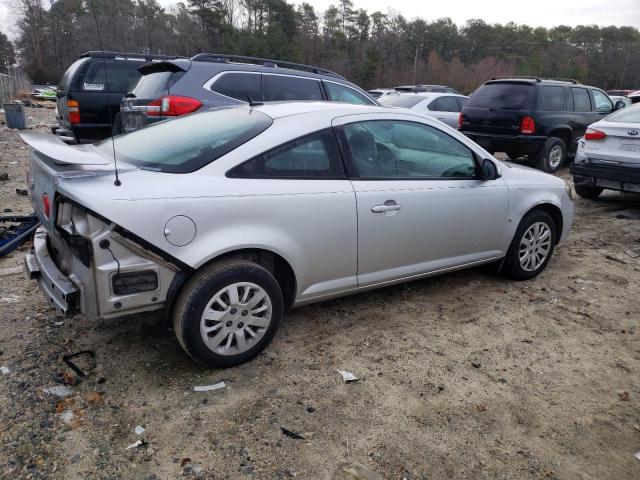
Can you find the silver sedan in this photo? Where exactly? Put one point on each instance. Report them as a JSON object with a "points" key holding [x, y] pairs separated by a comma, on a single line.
{"points": [[223, 219]]}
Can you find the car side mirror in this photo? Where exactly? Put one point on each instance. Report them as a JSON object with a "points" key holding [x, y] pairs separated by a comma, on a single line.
{"points": [[618, 105], [488, 170]]}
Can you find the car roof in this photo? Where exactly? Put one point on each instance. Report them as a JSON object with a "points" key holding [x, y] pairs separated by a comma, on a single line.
{"points": [[277, 110]]}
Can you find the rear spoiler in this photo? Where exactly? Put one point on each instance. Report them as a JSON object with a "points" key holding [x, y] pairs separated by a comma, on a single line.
{"points": [[56, 151], [181, 65]]}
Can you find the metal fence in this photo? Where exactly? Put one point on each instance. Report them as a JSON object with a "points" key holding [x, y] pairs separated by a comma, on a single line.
{"points": [[13, 81]]}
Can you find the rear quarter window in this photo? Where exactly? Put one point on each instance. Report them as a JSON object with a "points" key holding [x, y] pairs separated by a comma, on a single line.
{"points": [[63, 86], [506, 96], [581, 100], [284, 87], [239, 85], [551, 99]]}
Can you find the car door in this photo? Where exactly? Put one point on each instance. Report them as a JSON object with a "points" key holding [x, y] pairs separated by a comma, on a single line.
{"points": [[603, 105], [421, 206], [446, 109]]}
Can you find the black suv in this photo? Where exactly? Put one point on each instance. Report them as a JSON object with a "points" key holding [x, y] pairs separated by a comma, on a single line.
{"points": [[87, 102], [540, 118], [176, 87]]}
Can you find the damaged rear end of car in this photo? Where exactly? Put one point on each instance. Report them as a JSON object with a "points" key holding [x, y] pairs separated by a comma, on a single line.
{"points": [[84, 262]]}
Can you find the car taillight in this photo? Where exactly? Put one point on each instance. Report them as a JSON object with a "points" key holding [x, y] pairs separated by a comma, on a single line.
{"points": [[73, 107], [46, 205], [460, 121], [593, 134], [527, 125], [172, 105]]}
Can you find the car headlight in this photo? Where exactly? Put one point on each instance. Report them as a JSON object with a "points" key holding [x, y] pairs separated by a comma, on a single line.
{"points": [[568, 189]]}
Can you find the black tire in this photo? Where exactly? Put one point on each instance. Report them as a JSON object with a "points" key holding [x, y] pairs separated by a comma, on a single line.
{"points": [[587, 191], [196, 295], [512, 267], [546, 160]]}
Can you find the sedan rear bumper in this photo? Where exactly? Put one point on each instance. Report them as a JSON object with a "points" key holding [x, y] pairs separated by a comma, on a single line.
{"points": [[58, 289], [614, 177]]}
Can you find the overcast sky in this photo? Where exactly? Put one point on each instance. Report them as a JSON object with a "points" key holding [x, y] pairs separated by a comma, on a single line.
{"points": [[546, 13]]}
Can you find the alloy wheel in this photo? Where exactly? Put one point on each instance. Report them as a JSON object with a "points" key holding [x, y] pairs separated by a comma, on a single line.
{"points": [[535, 246]]}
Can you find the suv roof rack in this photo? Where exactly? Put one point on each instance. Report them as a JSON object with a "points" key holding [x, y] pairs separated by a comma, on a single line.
{"points": [[568, 80], [109, 54], [265, 62], [517, 77]]}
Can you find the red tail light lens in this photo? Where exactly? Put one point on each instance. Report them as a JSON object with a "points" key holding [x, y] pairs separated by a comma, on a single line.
{"points": [[46, 205], [73, 108], [527, 126], [460, 121], [592, 134], [173, 105]]}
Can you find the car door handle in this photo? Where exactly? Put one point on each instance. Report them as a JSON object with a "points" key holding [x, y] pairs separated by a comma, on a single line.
{"points": [[388, 206]]}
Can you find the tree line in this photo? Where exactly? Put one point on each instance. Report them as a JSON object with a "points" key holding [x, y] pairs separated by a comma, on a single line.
{"points": [[372, 49]]}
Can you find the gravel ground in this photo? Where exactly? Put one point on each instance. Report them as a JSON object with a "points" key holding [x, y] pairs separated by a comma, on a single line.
{"points": [[464, 376]]}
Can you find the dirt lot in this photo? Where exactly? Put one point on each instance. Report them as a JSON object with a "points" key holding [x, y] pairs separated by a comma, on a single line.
{"points": [[466, 376]]}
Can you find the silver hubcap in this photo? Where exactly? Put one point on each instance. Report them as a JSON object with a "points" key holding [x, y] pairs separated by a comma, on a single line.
{"points": [[236, 318], [535, 246], [555, 156]]}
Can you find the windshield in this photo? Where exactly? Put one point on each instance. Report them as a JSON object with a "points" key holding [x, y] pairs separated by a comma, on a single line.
{"points": [[626, 115], [504, 96], [189, 142], [405, 101]]}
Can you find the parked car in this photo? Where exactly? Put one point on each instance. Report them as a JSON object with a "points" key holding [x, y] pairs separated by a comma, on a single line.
{"points": [[608, 156], [88, 102], [542, 119], [626, 101], [257, 209], [635, 97], [619, 93], [426, 88], [445, 107], [175, 87], [380, 92]]}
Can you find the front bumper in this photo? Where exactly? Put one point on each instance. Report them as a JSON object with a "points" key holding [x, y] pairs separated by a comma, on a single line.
{"points": [[58, 289], [520, 144], [614, 177]]}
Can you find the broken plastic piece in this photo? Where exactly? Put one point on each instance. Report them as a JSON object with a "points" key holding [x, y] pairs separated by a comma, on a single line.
{"points": [[139, 430], [134, 445], [348, 377], [290, 434], [206, 388], [60, 391], [4, 370], [73, 366]]}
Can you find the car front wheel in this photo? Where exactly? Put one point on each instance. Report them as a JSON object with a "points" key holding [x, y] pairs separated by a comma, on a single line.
{"points": [[531, 247], [228, 313], [552, 155]]}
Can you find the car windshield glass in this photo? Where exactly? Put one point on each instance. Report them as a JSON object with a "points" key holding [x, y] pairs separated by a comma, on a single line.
{"points": [[626, 115], [405, 101], [189, 142], [506, 96]]}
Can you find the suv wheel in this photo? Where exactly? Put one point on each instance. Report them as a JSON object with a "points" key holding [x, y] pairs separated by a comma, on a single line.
{"points": [[228, 313], [587, 191], [552, 155], [531, 247]]}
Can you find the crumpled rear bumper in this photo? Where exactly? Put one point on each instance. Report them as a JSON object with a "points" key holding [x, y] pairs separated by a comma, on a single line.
{"points": [[58, 289]]}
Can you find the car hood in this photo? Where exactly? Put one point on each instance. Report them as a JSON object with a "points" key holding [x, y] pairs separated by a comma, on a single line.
{"points": [[520, 175]]}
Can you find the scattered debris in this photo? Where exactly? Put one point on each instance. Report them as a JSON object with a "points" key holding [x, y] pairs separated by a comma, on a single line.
{"points": [[310, 409], [476, 364], [624, 396], [59, 391], [4, 370], [4, 176], [21, 191], [632, 253], [135, 444], [73, 366], [184, 461], [67, 416], [94, 398], [583, 281], [481, 408], [207, 388], [139, 430], [290, 434], [348, 377], [58, 324]]}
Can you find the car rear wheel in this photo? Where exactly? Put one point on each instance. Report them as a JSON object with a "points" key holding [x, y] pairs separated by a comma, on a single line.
{"points": [[228, 313], [587, 191], [531, 247], [552, 156]]}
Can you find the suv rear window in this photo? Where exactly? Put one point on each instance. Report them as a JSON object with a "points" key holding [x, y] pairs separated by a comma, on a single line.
{"points": [[503, 95], [153, 85], [204, 137], [404, 101], [121, 76]]}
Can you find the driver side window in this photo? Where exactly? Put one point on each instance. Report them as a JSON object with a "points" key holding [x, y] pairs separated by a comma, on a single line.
{"points": [[402, 150]]}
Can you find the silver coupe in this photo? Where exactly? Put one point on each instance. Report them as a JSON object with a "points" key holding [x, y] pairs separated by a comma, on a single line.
{"points": [[222, 220]]}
